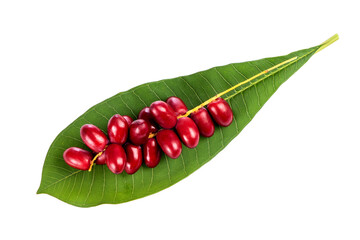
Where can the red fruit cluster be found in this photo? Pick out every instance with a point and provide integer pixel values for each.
(159, 128)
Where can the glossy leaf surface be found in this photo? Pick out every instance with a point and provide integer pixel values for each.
(85, 189)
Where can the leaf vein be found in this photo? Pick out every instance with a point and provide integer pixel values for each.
(60, 180)
(192, 89)
(91, 185)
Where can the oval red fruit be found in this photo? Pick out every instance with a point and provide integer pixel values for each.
(78, 158)
(177, 105)
(139, 131)
(128, 119)
(93, 137)
(152, 153)
(133, 158)
(146, 115)
(115, 158)
(163, 114)
(117, 129)
(153, 128)
(221, 112)
(204, 122)
(101, 160)
(169, 142)
(188, 132)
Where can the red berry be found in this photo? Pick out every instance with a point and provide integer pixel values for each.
(153, 128)
(78, 158)
(146, 115)
(139, 131)
(169, 143)
(177, 105)
(152, 153)
(204, 122)
(115, 158)
(221, 112)
(93, 137)
(101, 160)
(163, 114)
(128, 119)
(117, 129)
(134, 158)
(188, 132)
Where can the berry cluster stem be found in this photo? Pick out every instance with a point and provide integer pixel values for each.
(152, 135)
(96, 157)
(322, 46)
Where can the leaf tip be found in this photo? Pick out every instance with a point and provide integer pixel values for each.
(39, 191)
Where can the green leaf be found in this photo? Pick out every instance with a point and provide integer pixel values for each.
(86, 189)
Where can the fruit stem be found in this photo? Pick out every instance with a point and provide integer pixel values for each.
(236, 86)
(96, 157)
(322, 46)
(152, 135)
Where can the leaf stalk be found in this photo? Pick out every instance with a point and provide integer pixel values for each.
(328, 42)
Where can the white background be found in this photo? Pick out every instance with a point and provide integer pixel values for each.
(293, 173)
